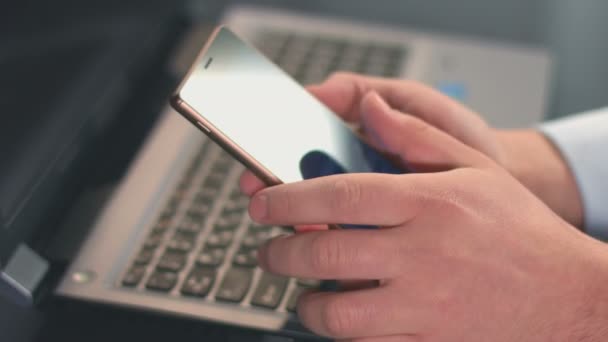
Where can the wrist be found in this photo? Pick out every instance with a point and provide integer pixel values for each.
(590, 320)
(537, 164)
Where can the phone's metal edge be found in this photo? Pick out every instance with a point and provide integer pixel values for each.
(213, 132)
(226, 143)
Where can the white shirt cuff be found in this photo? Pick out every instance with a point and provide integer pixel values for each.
(583, 142)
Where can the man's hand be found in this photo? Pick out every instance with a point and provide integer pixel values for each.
(466, 254)
(525, 153)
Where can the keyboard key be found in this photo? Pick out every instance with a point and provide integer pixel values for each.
(235, 284)
(256, 238)
(186, 182)
(161, 226)
(134, 276)
(353, 52)
(181, 194)
(301, 45)
(191, 225)
(348, 65)
(189, 175)
(271, 52)
(229, 219)
(224, 225)
(270, 290)
(378, 57)
(153, 241)
(166, 215)
(237, 193)
(144, 256)
(291, 67)
(198, 211)
(238, 205)
(215, 180)
(171, 262)
(199, 282)
(397, 55)
(220, 239)
(172, 205)
(211, 257)
(393, 69)
(161, 281)
(200, 156)
(375, 70)
(222, 165)
(207, 195)
(181, 243)
(274, 38)
(246, 258)
(293, 298)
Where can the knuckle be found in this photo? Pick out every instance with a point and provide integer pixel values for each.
(446, 199)
(458, 200)
(345, 196)
(287, 203)
(390, 255)
(326, 253)
(280, 205)
(338, 317)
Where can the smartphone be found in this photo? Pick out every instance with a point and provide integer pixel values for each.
(265, 119)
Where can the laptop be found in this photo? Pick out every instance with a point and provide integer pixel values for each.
(174, 236)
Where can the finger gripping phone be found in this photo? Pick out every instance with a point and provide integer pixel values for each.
(265, 119)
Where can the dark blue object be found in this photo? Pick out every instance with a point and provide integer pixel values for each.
(319, 164)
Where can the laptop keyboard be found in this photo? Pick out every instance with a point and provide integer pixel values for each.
(311, 58)
(203, 244)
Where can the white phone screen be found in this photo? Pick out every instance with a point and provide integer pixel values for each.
(273, 118)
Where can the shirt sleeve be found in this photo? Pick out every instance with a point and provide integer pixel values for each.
(583, 142)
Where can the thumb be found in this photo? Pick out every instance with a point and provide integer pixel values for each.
(417, 143)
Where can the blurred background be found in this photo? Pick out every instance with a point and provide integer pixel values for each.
(44, 49)
(571, 31)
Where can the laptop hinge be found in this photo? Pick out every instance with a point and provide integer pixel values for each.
(21, 275)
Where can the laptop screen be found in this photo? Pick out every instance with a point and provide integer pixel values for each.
(31, 135)
(40, 131)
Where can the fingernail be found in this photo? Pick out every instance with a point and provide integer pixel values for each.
(259, 207)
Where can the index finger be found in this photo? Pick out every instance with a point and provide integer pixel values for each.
(360, 199)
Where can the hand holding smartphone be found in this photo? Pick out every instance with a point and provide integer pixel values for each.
(265, 119)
